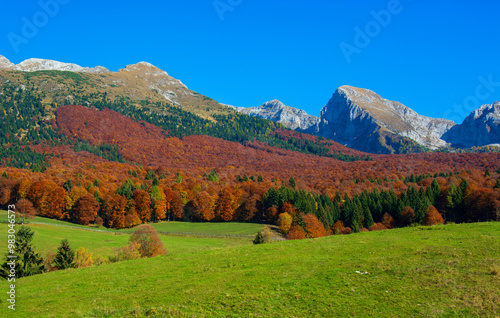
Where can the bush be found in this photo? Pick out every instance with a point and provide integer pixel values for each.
(148, 240)
(126, 253)
(346, 230)
(377, 227)
(99, 260)
(264, 236)
(83, 258)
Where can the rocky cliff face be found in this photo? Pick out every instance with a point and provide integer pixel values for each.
(480, 128)
(290, 117)
(356, 116)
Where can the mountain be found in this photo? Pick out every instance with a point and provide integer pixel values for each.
(141, 84)
(290, 117)
(34, 64)
(480, 128)
(359, 117)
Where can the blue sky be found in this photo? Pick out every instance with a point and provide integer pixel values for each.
(441, 59)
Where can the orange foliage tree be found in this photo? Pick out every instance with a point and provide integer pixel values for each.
(432, 217)
(142, 205)
(296, 233)
(314, 228)
(203, 207)
(337, 227)
(225, 208)
(25, 208)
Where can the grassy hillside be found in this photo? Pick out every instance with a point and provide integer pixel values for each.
(431, 272)
(103, 241)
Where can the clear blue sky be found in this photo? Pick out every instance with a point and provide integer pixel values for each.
(429, 56)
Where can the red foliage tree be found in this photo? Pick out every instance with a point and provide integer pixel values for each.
(85, 209)
(337, 227)
(296, 233)
(203, 207)
(388, 221)
(407, 216)
(25, 208)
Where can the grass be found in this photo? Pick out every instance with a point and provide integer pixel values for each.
(448, 271)
(48, 237)
(231, 228)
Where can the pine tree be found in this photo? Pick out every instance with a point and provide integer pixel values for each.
(4, 175)
(68, 185)
(292, 183)
(487, 173)
(65, 256)
(150, 175)
(155, 181)
(260, 178)
(28, 262)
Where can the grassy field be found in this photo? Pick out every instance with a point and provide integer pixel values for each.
(180, 227)
(103, 242)
(444, 271)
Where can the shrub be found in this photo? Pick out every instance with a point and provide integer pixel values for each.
(148, 240)
(83, 258)
(346, 230)
(364, 230)
(377, 227)
(126, 253)
(99, 260)
(432, 217)
(264, 236)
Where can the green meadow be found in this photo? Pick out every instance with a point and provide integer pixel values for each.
(440, 271)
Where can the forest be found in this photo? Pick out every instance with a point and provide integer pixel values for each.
(118, 166)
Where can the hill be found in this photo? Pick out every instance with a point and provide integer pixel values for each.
(434, 272)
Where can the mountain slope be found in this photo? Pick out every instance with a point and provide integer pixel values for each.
(359, 117)
(480, 128)
(290, 117)
(140, 84)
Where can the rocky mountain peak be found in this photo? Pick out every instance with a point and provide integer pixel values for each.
(290, 117)
(354, 113)
(480, 128)
(5, 64)
(36, 64)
